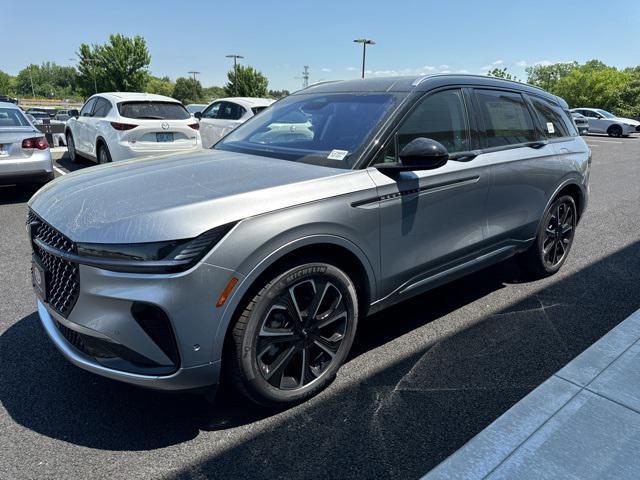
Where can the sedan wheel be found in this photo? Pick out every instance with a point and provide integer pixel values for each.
(294, 335)
(615, 131)
(103, 155)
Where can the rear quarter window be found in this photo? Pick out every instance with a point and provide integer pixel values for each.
(552, 118)
(153, 110)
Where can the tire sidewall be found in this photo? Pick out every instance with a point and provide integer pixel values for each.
(253, 378)
(543, 226)
(104, 150)
(71, 147)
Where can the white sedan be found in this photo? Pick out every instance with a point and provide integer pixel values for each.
(601, 121)
(225, 114)
(121, 125)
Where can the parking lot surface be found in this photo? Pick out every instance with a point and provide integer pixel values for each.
(424, 377)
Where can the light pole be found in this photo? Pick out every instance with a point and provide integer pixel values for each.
(33, 91)
(195, 90)
(235, 57)
(364, 42)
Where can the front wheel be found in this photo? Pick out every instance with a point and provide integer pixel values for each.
(555, 237)
(615, 131)
(293, 335)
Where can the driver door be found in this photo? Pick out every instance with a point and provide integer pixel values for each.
(429, 219)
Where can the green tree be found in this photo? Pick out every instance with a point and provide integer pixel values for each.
(120, 65)
(246, 82)
(502, 73)
(47, 80)
(593, 84)
(278, 94)
(547, 76)
(7, 84)
(630, 95)
(160, 86)
(209, 94)
(187, 90)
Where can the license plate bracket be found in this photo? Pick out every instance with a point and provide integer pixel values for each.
(164, 137)
(39, 279)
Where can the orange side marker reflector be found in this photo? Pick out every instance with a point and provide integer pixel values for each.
(227, 291)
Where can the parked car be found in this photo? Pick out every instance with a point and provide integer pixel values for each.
(194, 108)
(601, 121)
(64, 115)
(58, 138)
(120, 125)
(225, 114)
(582, 123)
(24, 152)
(260, 259)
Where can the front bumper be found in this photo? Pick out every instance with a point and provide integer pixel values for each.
(103, 313)
(629, 129)
(183, 379)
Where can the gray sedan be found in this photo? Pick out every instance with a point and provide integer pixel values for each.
(24, 151)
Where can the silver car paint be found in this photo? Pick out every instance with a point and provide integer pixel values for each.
(472, 213)
(18, 163)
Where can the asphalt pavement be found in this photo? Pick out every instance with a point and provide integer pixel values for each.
(424, 377)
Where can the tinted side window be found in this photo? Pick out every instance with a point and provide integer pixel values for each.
(86, 110)
(506, 118)
(589, 113)
(551, 118)
(102, 107)
(211, 111)
(230, 111)
(441, 117)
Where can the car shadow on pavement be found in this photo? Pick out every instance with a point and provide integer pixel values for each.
(12, 194)
(398, 416)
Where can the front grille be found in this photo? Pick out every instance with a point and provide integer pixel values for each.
(62, 276)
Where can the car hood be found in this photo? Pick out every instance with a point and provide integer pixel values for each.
(177, 196)
(629, 121)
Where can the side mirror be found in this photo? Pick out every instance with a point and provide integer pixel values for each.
(419, 154)
(198, 115)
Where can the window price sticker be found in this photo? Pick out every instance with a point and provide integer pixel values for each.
(550, 128)
(337, 154)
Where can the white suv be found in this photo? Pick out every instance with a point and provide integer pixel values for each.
(225, 114)
(121, 125)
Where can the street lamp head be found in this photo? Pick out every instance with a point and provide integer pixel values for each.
(234, 56)
(366, 41)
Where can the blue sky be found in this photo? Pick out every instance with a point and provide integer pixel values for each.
(279, 37)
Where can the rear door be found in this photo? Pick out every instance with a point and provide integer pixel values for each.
(230, 115)
(91, 124)
(431, 218)
(523, 164)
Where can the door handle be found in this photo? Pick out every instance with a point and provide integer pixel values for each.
(538, 144)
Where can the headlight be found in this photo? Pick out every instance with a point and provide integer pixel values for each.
(153, 257)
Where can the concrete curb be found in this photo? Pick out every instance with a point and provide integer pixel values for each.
(580, 423)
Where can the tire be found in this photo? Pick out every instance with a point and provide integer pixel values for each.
(553, 241)
(615, 131)
(104, 156)
(71, 148)
(277, 354)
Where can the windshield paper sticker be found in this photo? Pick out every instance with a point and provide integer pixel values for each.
(550, 128)
(337, 154)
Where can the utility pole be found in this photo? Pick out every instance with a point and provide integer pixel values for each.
(235, 57)
(305, 77)
(364, 42)
(33, 92)
(195, 89)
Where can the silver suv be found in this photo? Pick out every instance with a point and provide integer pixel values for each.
(257, 259)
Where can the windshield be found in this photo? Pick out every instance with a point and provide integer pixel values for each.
(605, 113)
(11, 117)
(322, 129)
(153, 110)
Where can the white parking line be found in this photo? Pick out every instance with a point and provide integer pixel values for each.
(59, 170)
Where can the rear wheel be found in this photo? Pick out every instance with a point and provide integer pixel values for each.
(615, 131)
(553, 242)
(71, 148)
(103, 154)
(293, 335)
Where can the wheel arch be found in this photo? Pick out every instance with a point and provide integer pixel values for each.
(336, 250)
